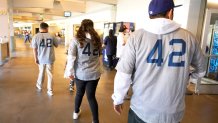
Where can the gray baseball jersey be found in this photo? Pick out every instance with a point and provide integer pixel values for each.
(44, 43)
(84, 62)
(159, 65)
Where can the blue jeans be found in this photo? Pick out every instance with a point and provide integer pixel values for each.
(133, 118)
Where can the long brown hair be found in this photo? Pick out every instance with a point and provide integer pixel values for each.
(87, 26)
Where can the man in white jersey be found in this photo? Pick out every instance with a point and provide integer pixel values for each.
(157, 60)
(43, 45)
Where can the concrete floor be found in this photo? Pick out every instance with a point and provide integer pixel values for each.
(21, 103)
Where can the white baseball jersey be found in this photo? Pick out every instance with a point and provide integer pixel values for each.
(157, 60)
(44, 43)
(84, 62)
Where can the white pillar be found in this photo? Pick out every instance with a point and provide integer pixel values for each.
(4, 31)
(191, 15)
(113, 13)
(11, 27)
(4, 17)
(194, 16)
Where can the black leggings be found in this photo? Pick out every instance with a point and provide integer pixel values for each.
(110, 61)
(90, 88)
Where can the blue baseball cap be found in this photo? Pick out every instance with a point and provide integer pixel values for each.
(159, 6)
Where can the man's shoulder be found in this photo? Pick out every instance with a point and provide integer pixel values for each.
(74, 41)
(40, 34)
(106, 38)
(183, 30)
(139, 32)
(50, 35)
(186, 32)
(37, 35)
(43, 35)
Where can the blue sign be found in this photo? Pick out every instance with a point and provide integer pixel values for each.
(214, 61)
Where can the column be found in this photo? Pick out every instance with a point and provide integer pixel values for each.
(196, 17)
(11, 27)
(4, 32)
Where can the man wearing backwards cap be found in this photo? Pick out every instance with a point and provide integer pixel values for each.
(157, 61)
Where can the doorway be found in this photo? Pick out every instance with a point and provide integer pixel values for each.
(210, 46)
(36, 30)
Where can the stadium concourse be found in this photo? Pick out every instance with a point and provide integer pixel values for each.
(21, 103)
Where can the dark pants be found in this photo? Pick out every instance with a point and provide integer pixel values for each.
(110, 60)
(72, 82)
(90, 88)
(27, 38)
(133, 118)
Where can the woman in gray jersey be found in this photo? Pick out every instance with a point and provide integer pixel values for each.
(83, 65)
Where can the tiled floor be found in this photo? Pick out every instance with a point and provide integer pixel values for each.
(20, 103)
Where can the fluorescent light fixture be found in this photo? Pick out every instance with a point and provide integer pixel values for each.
(67, 14)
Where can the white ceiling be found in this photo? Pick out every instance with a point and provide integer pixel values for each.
(38, 10)
(212, 4)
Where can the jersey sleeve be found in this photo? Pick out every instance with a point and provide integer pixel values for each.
(55, 41)
(34, 42)
(125, 69)
(122, 83)
(198, 63)
(127, 60)
(71, 57)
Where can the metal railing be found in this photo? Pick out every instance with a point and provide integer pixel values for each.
(197, 85)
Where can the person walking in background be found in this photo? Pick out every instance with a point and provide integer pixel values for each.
(43, 45)
(58, 36)
(131, 31)
(83, 64)
(157, 61)
(26, 37)
(71, 85)
(121, 40)
(110, 42)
